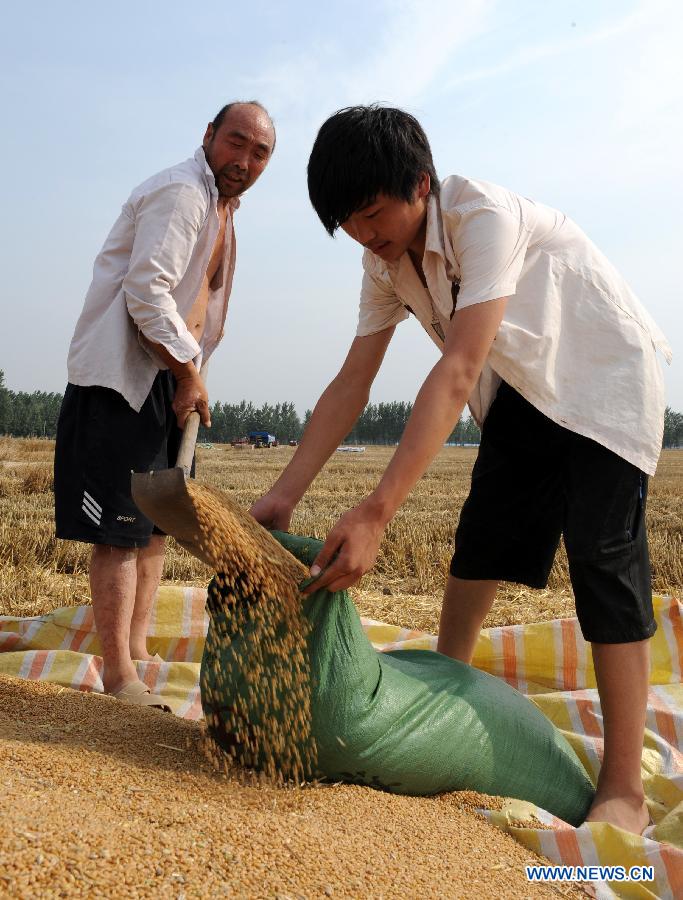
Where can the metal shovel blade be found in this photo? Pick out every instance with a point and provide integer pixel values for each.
(163, 497)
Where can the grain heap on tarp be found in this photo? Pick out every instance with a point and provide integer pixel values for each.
(293, 687)
(254, 595)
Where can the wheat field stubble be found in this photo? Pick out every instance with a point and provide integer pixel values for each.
(39, 573)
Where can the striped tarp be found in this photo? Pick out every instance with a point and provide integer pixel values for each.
(548, 661)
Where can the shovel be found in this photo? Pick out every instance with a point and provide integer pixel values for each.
(163, 496)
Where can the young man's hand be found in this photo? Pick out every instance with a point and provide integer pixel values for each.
(351, 548)
(273, 512)
(190, 394)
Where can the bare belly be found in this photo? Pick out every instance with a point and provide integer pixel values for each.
(196, 318)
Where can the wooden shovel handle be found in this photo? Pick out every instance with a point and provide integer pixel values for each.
(188, 442)
(190, 431)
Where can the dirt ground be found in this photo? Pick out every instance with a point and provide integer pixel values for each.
(106, 800)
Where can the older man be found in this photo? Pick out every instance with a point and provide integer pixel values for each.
(154, 311)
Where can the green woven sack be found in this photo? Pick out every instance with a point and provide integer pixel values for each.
(409, 721)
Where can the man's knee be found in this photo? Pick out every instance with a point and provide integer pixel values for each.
(104, 553)
(464, 590)
(151, 556)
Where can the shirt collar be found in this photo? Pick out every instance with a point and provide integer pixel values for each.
(199, 155)
(434, 236)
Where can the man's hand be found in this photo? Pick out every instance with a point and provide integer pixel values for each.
(350, 550)
(273, 512)
(191, 394)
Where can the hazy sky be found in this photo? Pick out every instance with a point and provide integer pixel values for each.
(573, 103)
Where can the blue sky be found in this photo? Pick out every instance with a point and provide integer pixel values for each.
(576, 104)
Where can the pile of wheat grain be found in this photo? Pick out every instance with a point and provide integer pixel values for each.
(105, 799)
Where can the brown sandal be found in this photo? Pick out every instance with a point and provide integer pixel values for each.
(139, 694)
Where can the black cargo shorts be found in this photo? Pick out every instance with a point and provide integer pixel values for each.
(534, 481)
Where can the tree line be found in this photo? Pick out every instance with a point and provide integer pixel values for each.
(35, 414)
(379, 423)
(673, 428)
(28, 415)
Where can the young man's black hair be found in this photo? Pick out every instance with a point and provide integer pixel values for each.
(363, 151)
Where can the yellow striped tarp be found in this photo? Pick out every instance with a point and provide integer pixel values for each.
(547, 661)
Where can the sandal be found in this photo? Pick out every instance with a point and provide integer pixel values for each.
(139, 694)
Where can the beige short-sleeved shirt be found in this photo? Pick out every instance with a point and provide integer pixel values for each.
(575, 340)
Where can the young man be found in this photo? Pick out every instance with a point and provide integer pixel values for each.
(556, 358)
(154, 311)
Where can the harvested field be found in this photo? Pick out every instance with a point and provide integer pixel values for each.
(104, 800)
(38, 573)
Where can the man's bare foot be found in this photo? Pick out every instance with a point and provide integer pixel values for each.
(629, 813)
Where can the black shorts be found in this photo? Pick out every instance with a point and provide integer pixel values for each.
(101, 441)
(533, 481)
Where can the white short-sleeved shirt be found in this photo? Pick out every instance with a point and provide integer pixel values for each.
(575, 341)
